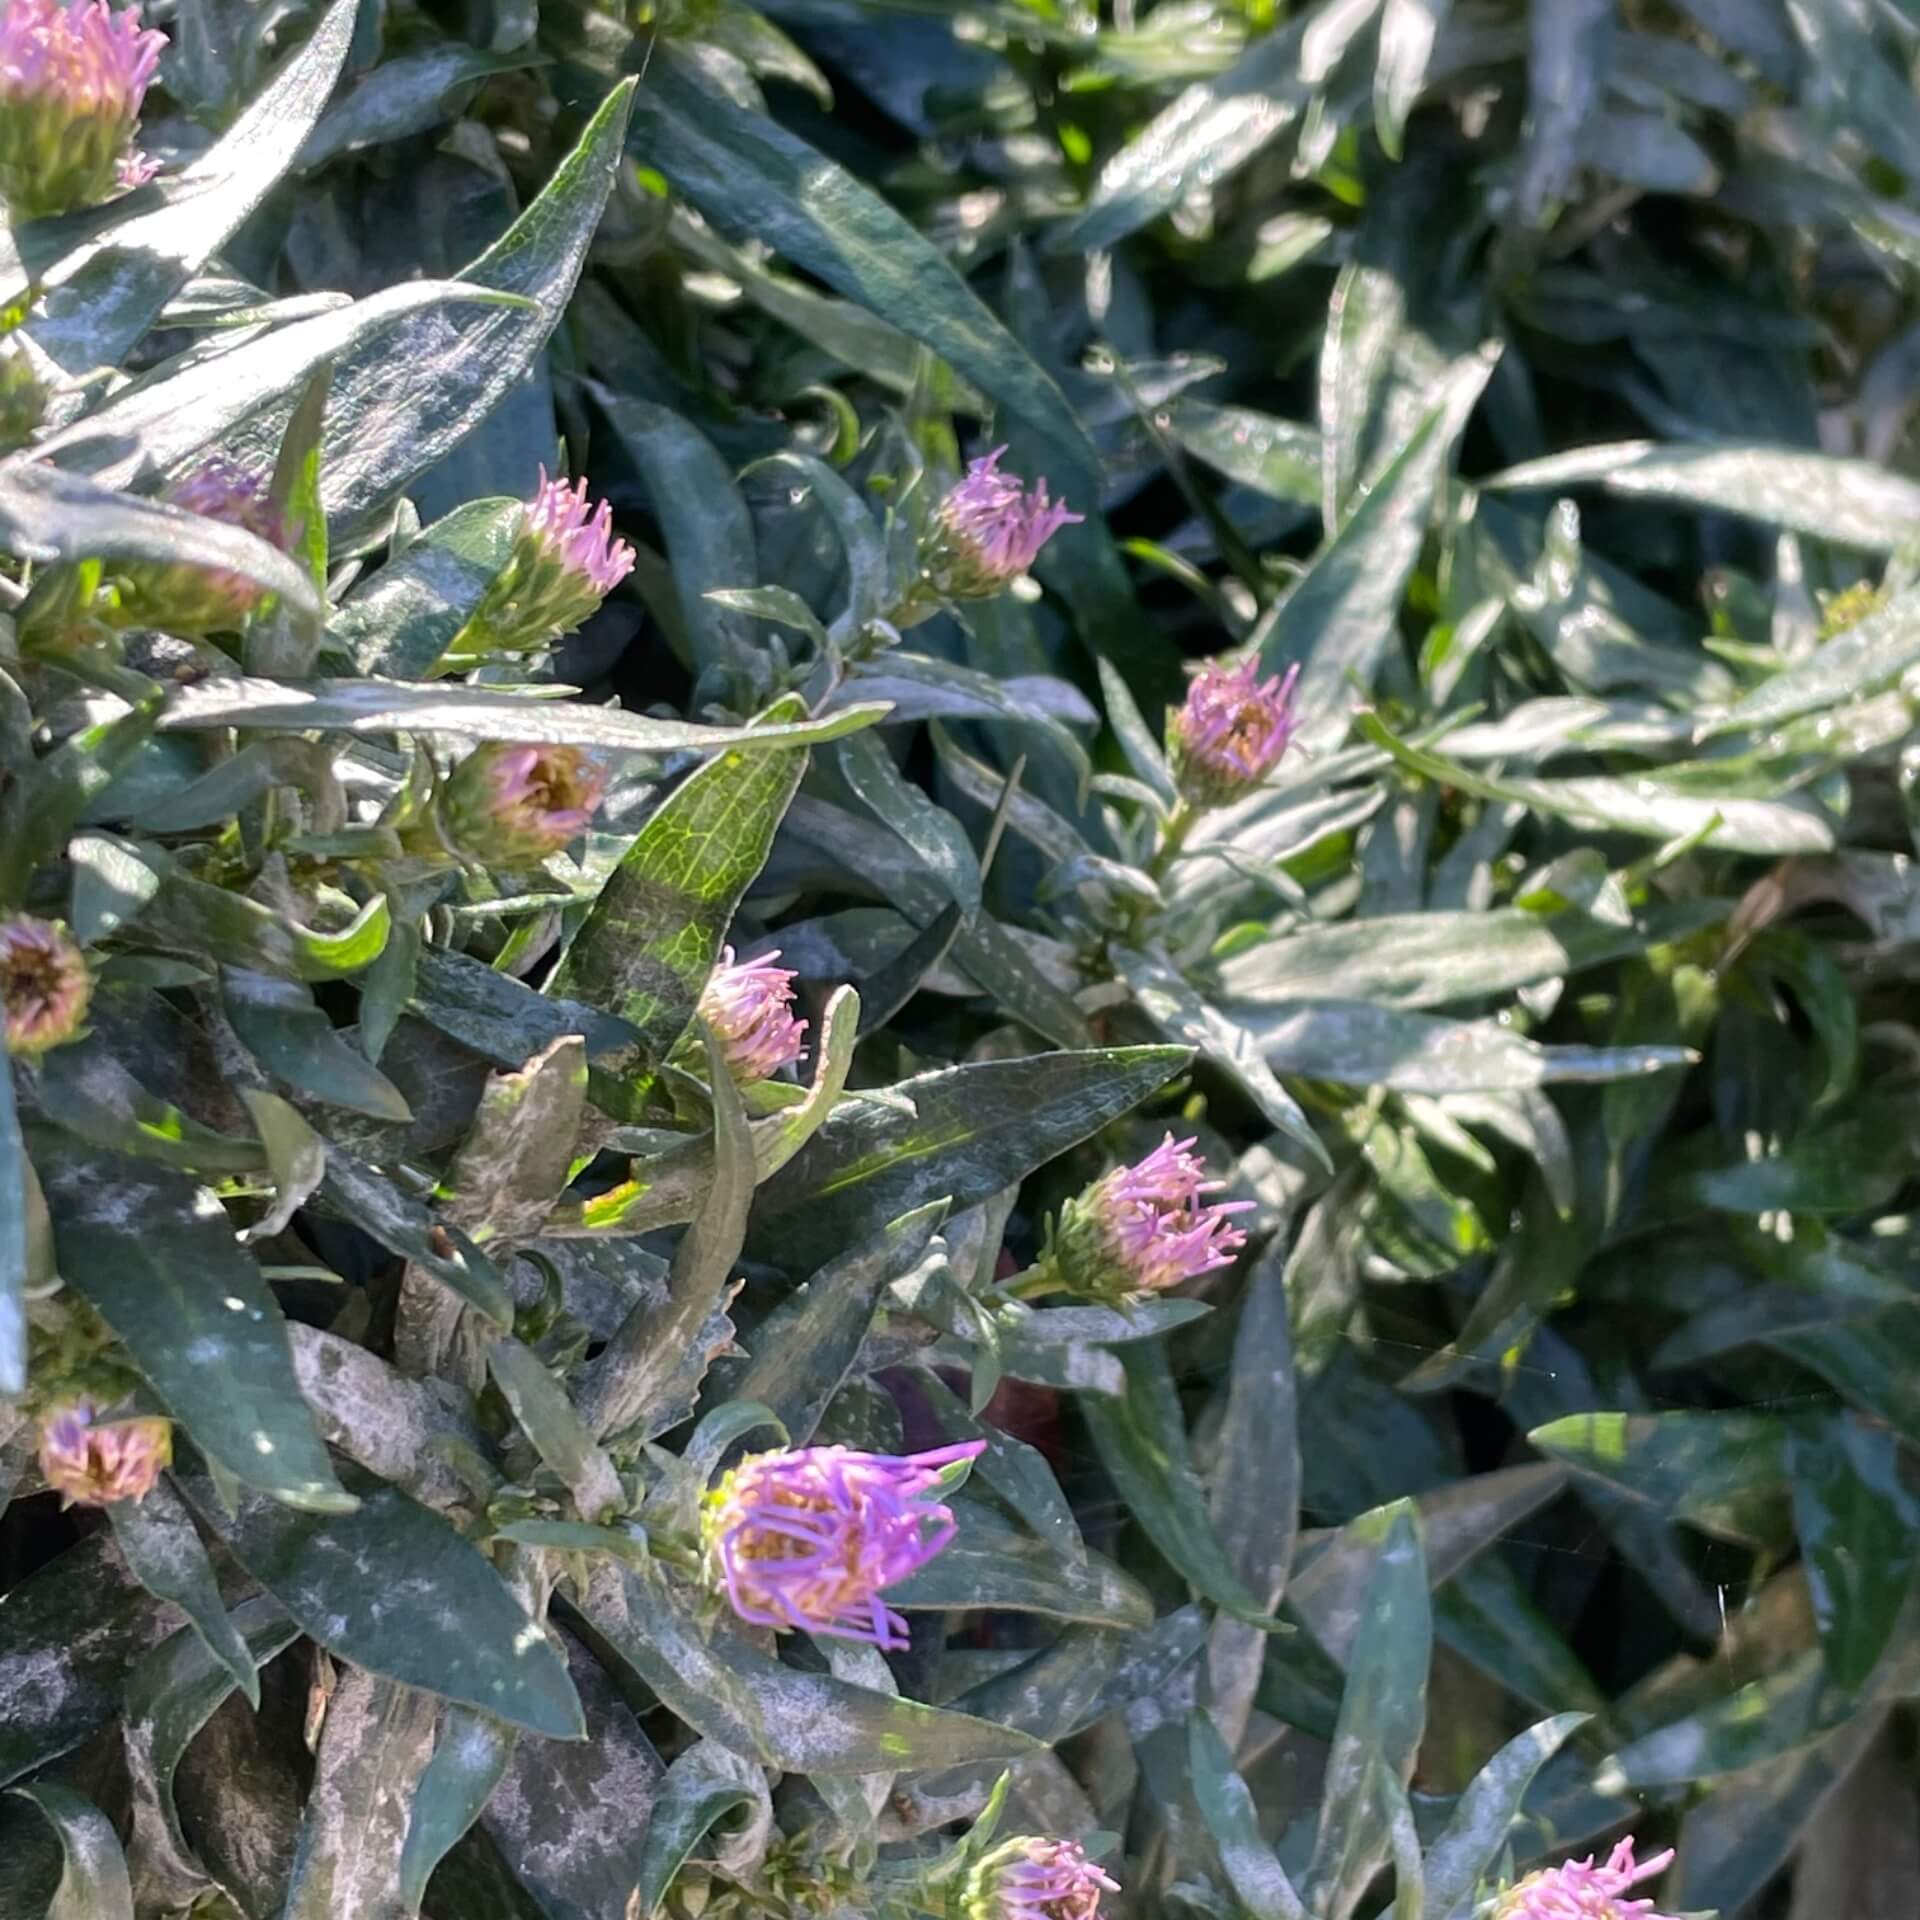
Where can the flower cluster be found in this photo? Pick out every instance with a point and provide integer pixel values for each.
(988, 531)
(1231, 732)
(810, 1537)
(507, 805)
(72, 79)
(564, 562)
(746, 1004)
(1141, 1229)
(93, 1462)
(1033, 1879)
(1582, 1890)
(45, 984)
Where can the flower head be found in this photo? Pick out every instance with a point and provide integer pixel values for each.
(44, 979)
(564, 562)
(746, 1004)
(578, 536)
(1140, 1229)
(94, 1463)
(1580, 1890)
(810, 1537)
(1033, 1879)
(1231, 732)
(507, 804)
(989, 530)
(72, 78)
(182, 598)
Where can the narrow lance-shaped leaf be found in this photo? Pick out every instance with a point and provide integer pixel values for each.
(799, 1722)
(1258, 1880)
(155, 1254)
(394, 1589)
(1478, 1829)
(958, 1133)
(93, 1880)
(157, 1538)
(727, 158)
(1142, 1443)
(644, 1367)
(655, 930)
(1383, 1713)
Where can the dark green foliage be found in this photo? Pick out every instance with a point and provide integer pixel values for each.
(1538, 378)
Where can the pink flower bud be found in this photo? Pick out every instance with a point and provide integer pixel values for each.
(989, 530)
(810, 1537)
(1138, 1230)
(72, 79)
(1033, 1879)
(565, 561)
(514, 805)
(95, 1463)
(186, 599)
(745, 1003)
(44, 978)
(1580, 1890)
(1231, 733)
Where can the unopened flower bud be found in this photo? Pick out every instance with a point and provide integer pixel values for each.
(564, 562)
(746, 1003)
(511, 805)
(1231, 732)
(95, 1462)
(44, 978)
(72, 78)
(988, 531)
(1138, 1230)
(1582, 1890)
(810, 1537)
(1035, 1879)
(185, 599)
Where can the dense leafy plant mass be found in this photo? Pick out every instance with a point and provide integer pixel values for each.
(958, 958)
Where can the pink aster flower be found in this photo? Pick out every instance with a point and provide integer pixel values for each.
(564, 562)
(1231, 732)
(810, 1537)
(581, 537)
(1033, 1879)
(1580, 1890)
(989, 530)
(507, 804)
(72, 79)
(1141, 1229)
(45, 983)
(187, 599)
(94, 1463)
(746, 1004)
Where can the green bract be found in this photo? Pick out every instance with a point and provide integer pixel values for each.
(1092, 1096)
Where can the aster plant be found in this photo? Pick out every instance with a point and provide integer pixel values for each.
(753, 1172)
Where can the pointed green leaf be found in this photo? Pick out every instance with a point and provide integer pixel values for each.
(156, 1255)
(959, 1133)
(394, 1589)
(93, 1881)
